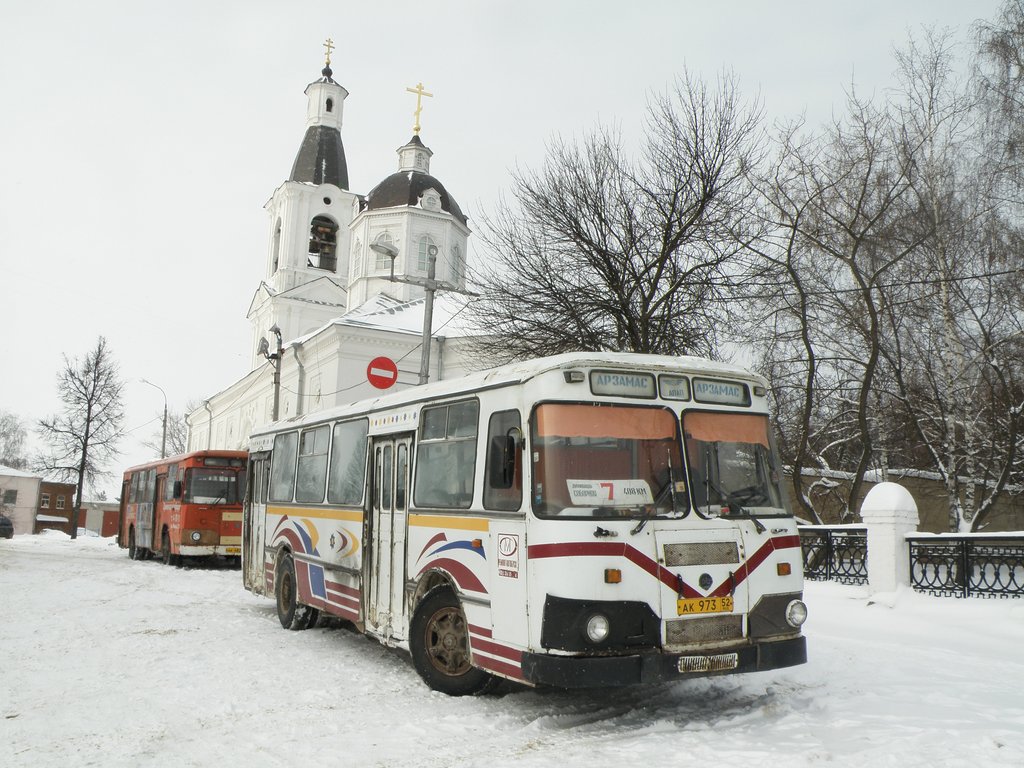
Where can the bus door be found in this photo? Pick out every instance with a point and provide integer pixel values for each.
(158, 513)
(145, 510)
(254, 526)
(385, 608)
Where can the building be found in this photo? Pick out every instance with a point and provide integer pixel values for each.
(19, 497)
(56, 503)
(326, 306)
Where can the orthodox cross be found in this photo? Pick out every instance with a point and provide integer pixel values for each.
(420, 93)
(329, 45)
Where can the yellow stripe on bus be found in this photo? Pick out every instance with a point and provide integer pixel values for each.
(438, 521)
(326, 513)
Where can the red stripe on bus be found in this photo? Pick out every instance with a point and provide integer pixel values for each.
(464, 577)
(350, 591)
(496, 649)
(482, 631)
(509, 670)
(610, 549)
(753, 562)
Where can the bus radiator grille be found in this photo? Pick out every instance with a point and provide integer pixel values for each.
(710, 629)
(701, 553)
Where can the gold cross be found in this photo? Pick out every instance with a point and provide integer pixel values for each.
(420, 93)
(329, 45)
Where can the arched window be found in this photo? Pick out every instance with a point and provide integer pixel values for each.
(357, 259)
(424, 253)
(323, 244)
(458, 266)
(383, 260)
(276, 247)
(330, 105)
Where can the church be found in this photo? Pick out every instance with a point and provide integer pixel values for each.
(348, 283)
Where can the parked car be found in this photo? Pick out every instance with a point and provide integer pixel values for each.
(6, 527)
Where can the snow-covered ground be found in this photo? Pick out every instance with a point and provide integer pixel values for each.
(111, 662)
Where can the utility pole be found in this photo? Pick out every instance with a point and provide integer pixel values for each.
(275, 358)
(163, 440)
(430, 286)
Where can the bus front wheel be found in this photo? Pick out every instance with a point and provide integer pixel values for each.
(165, 551)
(439, 642)
(291, 613)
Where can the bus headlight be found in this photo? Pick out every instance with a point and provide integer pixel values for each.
(196, 535)
(796, 613)
(597, 628)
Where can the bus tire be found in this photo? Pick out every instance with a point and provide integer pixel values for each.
(165, 550)
(292, 614)
(439, 642)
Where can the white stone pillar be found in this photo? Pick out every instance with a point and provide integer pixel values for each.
(890, 513)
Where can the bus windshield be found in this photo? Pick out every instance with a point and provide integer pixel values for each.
(732, 464)
(211, 486)
(606, 461)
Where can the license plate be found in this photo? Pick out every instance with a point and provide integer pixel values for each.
(233, 551)
(692, 605)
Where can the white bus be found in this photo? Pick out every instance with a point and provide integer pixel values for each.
(574, 521)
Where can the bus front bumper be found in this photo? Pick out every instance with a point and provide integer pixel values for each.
(205, 550)
(611, 671)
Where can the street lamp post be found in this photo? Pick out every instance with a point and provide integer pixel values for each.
(275, 358)
(163, 440)
(430, 286)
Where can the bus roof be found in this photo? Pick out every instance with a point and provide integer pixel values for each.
(521, 372)
(185, 456)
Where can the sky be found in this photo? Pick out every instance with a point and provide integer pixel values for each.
(139, 141)
(115, 662)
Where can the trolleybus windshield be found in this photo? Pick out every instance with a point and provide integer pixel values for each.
(732, 464)
(606, 461)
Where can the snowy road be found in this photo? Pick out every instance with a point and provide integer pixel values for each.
(111, 662)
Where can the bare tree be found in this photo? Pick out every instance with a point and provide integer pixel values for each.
(601, 251)
(85, 434)
(12, 441)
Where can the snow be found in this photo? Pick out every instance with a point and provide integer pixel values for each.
(113, 662)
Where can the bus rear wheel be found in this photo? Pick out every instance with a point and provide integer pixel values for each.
(290, 612)
(439, 642)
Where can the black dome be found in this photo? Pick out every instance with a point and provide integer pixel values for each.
(405, 188)
(321, 158)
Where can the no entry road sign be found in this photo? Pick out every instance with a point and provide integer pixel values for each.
(382, 372)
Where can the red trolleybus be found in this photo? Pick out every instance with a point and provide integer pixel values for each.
(184, 506)
(580, 520)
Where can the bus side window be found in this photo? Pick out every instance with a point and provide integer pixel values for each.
(503, 482)
(312, 474)
(446, 456)
(282, 471)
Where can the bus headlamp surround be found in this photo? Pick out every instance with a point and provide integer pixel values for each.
(796, 613)
(598, 628)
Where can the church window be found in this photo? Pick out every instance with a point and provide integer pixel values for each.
(357, 259)
(425, 252)
(430, 201)
(323, 234)
(330, 105)
(458, 271)
(383, 260)
(277, 246)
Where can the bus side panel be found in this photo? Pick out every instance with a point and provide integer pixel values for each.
(327, 550)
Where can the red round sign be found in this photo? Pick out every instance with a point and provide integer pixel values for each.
(382, 372)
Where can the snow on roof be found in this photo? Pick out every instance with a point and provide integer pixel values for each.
(12, 472)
